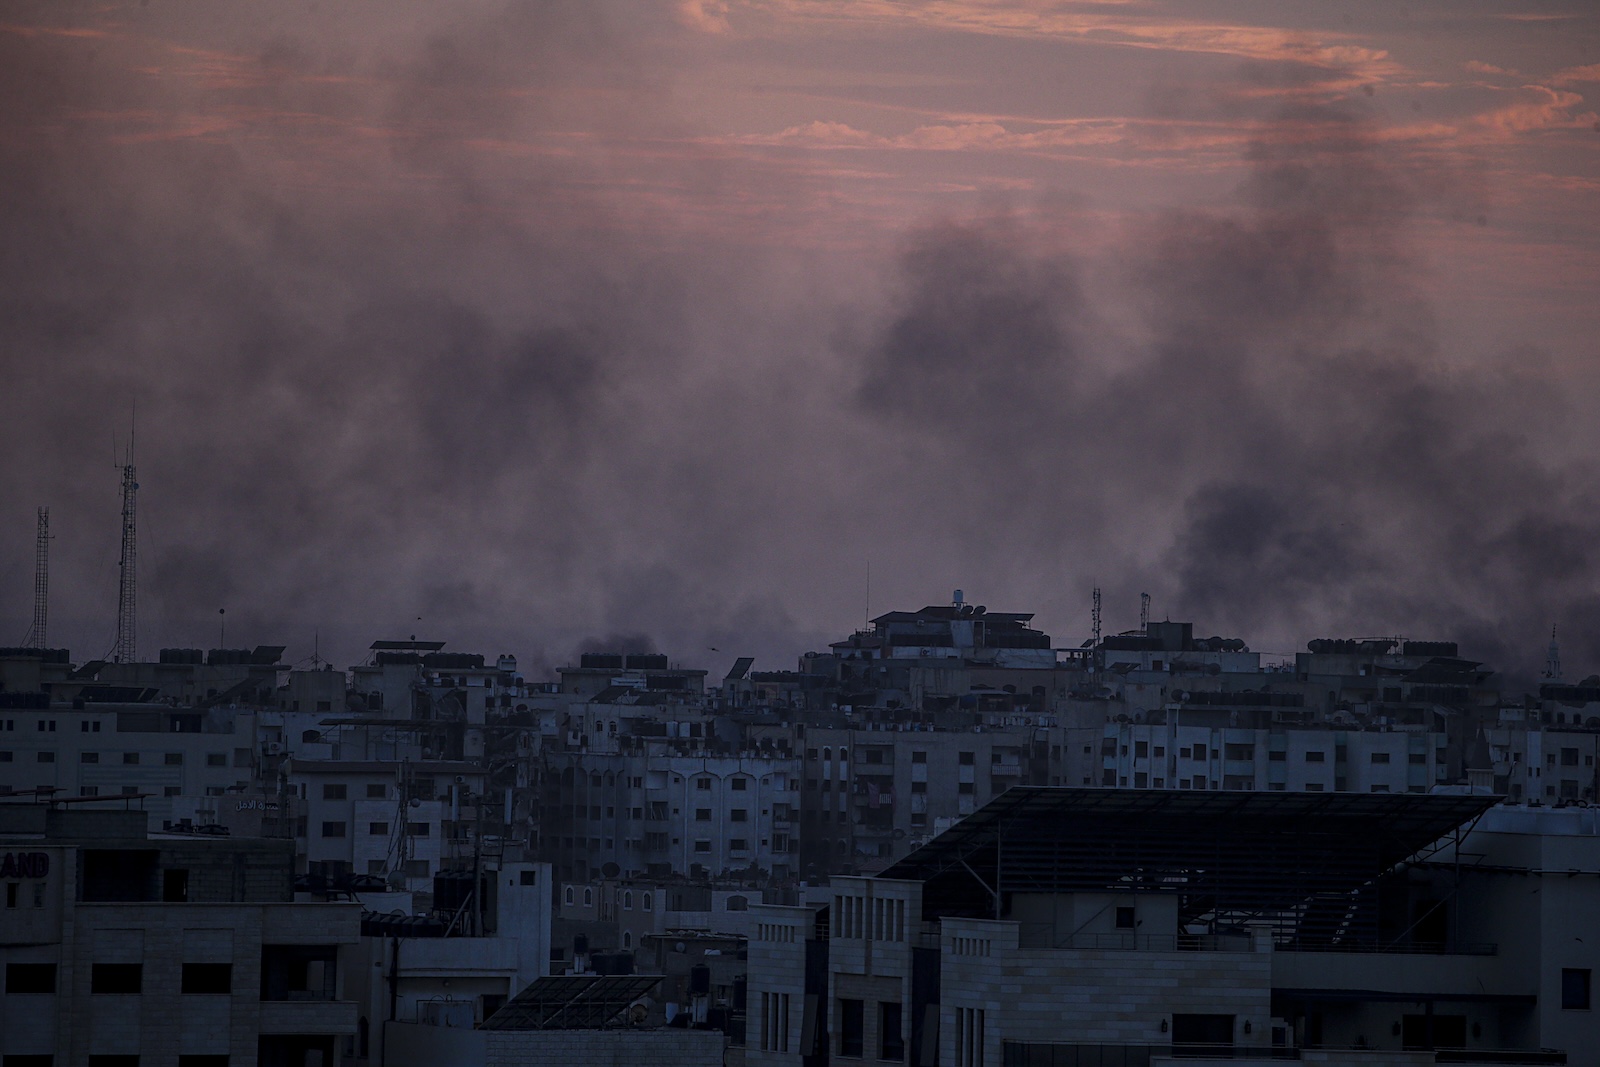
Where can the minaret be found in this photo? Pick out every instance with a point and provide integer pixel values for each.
(1552, 662)
(37, 637)
(127, 649)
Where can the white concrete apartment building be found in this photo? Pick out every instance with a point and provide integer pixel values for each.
(445, 972)
(155, 750)
(869, 796)
(649, 809)
(401, 821)
(121, 947)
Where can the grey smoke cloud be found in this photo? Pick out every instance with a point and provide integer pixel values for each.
(390, 384)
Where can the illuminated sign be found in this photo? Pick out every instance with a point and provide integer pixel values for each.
(258, 805)
(25, 865)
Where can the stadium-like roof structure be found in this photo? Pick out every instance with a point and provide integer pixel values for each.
(1305, 862)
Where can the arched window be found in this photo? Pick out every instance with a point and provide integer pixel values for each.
(738, 904)
(612, 727)
(588, 898)
(627, 939)
(311, 737)
(568, 896)
(627, 900)
(647, 902)
(827, 753)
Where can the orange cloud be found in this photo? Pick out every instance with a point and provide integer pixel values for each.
(1577, 75)
(1021, 18)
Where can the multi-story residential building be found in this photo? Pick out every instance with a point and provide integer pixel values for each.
(403, 822)
(458, 964)
(662, 808)
(122, 946)
(870, 795)
(150, 750)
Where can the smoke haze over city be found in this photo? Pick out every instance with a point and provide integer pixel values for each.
(714, 327)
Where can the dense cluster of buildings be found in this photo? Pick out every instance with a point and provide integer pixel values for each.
(942, 840)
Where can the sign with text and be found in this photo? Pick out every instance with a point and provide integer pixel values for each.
(25, 865)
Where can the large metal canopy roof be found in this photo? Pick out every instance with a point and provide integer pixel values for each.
(571, 1002)
(1229, 856)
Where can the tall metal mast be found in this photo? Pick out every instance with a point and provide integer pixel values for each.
(1144, 613)
(1096, 617)
(37, 637)
(127, 650)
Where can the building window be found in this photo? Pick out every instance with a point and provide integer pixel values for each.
(969, 1037)
(174, 759)
(1380, 757)
(418, 829)
(1125, 918)
(1316, 757)
(30, 978)
(88, 757)
(333, 792)
(702, 783)
(207, 978)
(891, 1041)
(965, 759)
(851, 1028)
(216, 759)
(47, 757)
(116, 978)
(739, 844)
(566, 896)
(648, 901)
(588, 897)
(378, 829)
(1575, 988)
(740, 815)
(702, 814)
(130, 757)
(702, 845)
(627, 900)
(333, 829)
(740, 784)
(377, 791)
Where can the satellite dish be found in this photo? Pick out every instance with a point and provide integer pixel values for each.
(610, 870)
(416, 802)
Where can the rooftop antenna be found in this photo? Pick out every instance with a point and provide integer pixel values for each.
(1096, 616)
(127, 647)
(1144, 613)
(41, 584)
(1552, 663)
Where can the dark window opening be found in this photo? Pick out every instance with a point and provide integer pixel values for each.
(116, 978)
(207, 978)
(1125, 920)
(851, 1028)
(1575, 988)
(175, 885)
(30, 978)
(891, 1042)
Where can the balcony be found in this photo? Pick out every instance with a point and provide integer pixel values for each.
(308, 1017)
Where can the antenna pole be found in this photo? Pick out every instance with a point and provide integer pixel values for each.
(37, 637)
(1144, 613)
(127, 649)
(1096, 616)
